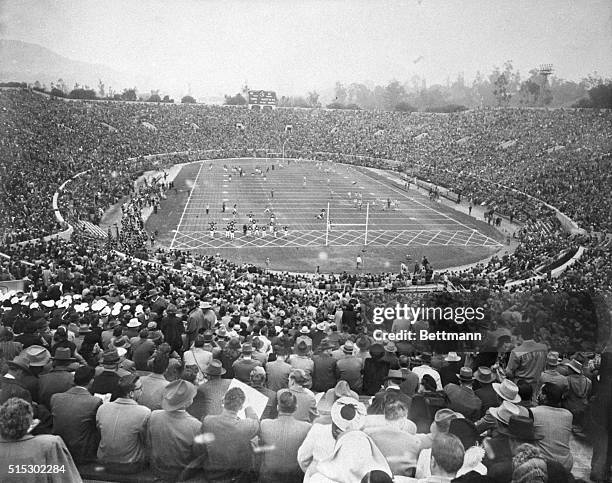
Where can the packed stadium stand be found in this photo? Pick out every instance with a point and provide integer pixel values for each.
(170, 342)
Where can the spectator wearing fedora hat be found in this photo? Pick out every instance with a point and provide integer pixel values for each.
(245, 364)
(391, 390)
(324, 368)
(485, 378)
(210, 394)
(349, 367)
(449, 372)
(579, 392)
(60, 378)
(306, 409)
(173, 329)
(461, 398)
(302, 359)
(508, 392)
(520, 429)
(172, 430)
(108, 374)
(552, 375)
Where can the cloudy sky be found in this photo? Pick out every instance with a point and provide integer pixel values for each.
(293, 46)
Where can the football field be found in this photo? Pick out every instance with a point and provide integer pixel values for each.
(400, 223)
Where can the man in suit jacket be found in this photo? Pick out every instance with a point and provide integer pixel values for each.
(74, 417)
(209, 398)
(59, 379)
(278, 371)
(286, 435)
(486, 393)
(449, 373)
(461, 398)
(231, 455)
(349, 367)
(306, 403)
(324, 373)
(245, 364)
(392, 390)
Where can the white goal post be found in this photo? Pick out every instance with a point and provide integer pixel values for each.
(365, 225)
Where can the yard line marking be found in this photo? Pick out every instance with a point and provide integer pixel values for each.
(470, 237)
(195, 183)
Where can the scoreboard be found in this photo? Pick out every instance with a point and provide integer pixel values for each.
(262, 98)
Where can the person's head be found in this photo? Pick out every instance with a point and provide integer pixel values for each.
(404, 361)
(84, 375)
(117, 331)
(395, 410)
(550, 395)
(526, 330)
(428, 383)
(287, 403)
(234, 399)
(525, 390)
(15, 418)
(190, 374)
(376, 476)
(129, 387)
(199, 341)
(160, 363)
(258, 376)
(442, 421)
(297, 377)
(504, 343)
(447, 454)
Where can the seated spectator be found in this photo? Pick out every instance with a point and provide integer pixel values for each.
(258, 381)
(208, 400)
(123, 428)
(324, 370)
(198, 356)
(552, 375)
(74, 416)
(461, 398)
(306, 403)
(229, 455)
(58, 379)
(244, 365)
(354, 453)
(19, 447)
(554, 424)
(579, 392)
(278, 371)
(425, 369)
(426, 403)
(172, 431)
(485, 378)
(154, 384)
(283, 437)
(375, 370)
(397, 439)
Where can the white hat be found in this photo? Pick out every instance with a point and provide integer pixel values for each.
(116, 311)
(138, 310)
(348, 414)
(105, 312)
(14, 300)
(126, 307)
(48, 303)
(133, 323)
(121, 351)
(99, 305)
(34, 305)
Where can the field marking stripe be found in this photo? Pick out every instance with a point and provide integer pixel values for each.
(195, 183)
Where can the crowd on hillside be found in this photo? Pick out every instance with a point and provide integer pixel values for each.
(220, 374)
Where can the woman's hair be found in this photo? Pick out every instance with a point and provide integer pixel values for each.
(15, 418)
(428, 382)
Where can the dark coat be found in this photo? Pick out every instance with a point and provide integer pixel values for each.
(324, 373)
(374, 373)
(74, 419)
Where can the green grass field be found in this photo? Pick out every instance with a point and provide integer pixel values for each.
(413, 226)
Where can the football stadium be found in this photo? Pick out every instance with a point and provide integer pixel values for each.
(323, 278)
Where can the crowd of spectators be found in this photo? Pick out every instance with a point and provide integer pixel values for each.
(155, 344)
(112, 367)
